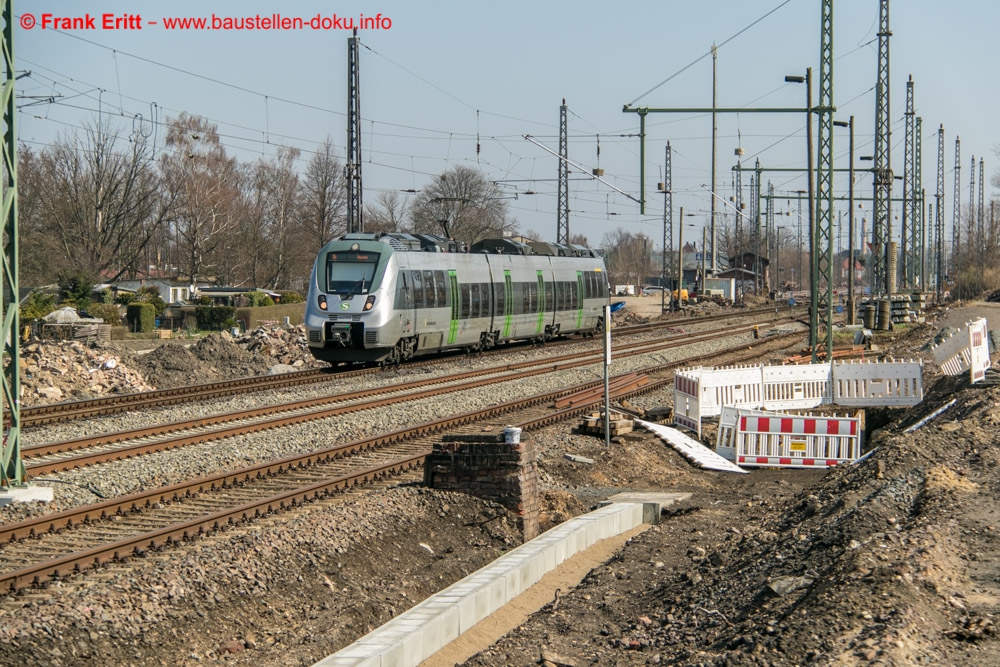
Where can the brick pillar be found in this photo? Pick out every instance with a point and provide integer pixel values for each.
(487, 467)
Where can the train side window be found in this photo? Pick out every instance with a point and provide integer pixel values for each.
(403, 297)
(474, 301)
(484, 289)
(429, 290)
(418, 289)
(466, 299)
(440, 296)
(532, 298)
(574, 291)
(591, 283)
(550, 303)
(498, 299)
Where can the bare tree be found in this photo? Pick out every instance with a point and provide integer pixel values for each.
(41, 254)
(387, 214)
(97, 198)
(282, 201)
(627, 256)
(324, 198)
(204, 181)
(462, 204)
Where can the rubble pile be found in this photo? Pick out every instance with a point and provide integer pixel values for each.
(55, 371)
(285, 345)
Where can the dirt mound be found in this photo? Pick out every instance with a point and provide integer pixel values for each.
(52, 372)
(889, 561)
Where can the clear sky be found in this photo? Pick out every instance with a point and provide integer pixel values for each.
(438, 78)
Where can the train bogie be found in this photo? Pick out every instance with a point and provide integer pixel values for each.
(389, 297)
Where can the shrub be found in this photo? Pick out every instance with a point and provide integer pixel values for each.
(257, 299)
(125, 298)
(75, 288)
(140, 316)
(215, 318)
(151, 295)
(107, 312)
(291, 296)
(38, 304)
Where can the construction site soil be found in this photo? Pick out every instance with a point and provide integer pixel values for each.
(891, 561)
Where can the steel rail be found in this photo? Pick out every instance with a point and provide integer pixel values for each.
(40, 573)
(56, 412)
(564, 362)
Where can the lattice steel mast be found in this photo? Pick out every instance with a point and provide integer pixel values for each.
(971, 244)
(980, 219)
(939, 219)
(882, 230)
(715, 152)
(562, 196)
(668, 223)
(12, 472)
(956, 217)
(355, 205)
(918, 227)
(908, 193)
(824, 181)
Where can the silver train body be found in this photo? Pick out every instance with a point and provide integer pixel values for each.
(388, 297)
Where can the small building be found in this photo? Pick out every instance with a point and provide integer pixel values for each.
(171, 291)
(230, 296)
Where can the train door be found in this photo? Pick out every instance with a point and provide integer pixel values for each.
(508, 304)
(455, 297)
(540, 326)
(404, 303)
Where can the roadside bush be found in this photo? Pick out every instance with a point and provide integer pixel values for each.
(291, 296)
(107, 312)
(215, 318)
(37, 305)
(258, 299)
(140, 317)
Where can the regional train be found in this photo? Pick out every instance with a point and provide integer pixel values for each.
(385, 298)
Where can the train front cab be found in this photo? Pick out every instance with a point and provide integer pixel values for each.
(350, 304)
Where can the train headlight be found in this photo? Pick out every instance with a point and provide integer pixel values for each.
(369, 302)
(322, 302)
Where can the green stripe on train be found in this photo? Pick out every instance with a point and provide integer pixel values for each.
(453, 328)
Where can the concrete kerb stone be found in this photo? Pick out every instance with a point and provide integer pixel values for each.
(420, 632)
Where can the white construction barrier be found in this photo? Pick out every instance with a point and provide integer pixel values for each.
(795, 387)
(979, 350)
(704, 392)
(756, 438)
(968, 350)
(687, 399)
(883, 383)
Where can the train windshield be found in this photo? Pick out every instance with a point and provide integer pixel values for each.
(350, 272)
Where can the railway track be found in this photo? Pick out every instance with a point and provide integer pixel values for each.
(107, 405)
(91, 450)
(36, 551)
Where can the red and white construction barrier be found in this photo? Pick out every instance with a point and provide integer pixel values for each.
(756, 438)
(704, 392)
(968, 350)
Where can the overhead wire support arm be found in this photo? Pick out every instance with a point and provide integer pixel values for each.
(580, 167)
(642, 111)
